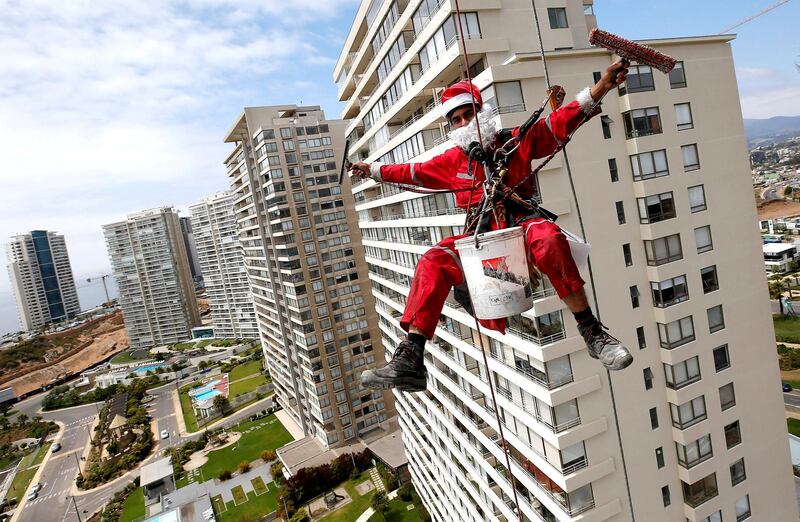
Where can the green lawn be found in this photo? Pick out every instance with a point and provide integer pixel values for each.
(188, 414)
(42, 452)
(247, 385)
(794, 426)
(20, 484)
(243, 370)
(787, 329)
(255, 507)
(398, 512)
(218, 504)
(238, 495)
(249, 448)
(133, 508)
(258, 485)
(354, 509)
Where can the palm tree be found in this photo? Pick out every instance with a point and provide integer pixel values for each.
(776, 289)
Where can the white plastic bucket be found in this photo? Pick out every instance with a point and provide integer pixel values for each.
(497, 273)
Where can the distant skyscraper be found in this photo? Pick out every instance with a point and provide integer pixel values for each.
(151, 268)
(191, 249)
(306, 268)
(219, 254)
(41, 275)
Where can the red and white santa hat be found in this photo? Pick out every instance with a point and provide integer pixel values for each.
(460, 94)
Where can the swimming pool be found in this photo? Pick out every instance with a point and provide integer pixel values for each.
(207, 394)
(141, 370)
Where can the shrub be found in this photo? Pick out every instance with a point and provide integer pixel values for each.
(244, 466)
(225, 475)
(300, 516)
(267, 455)
(405, 491)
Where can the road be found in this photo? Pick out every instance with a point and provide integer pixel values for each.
(54, 501)
(792, 400)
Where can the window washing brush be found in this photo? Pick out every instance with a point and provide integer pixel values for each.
(632, 51)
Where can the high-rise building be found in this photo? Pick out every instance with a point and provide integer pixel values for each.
(219, 254)
(694, 429)
(156, 293)
(191, 249)
(305, 263)
(41, 275)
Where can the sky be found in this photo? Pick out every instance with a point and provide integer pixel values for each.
(107, 108)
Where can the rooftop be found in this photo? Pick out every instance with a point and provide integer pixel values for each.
(155, 471)
(777, 248)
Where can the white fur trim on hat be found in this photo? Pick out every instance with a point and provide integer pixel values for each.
(456, 101)
(585, 100)
(375, 170)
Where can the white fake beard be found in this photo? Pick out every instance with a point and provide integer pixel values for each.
(468, 134)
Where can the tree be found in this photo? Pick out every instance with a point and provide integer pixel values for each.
(222, 404)
(776, 289)
(244, 466)
(22, 419)
(203, 365)
(380, 503)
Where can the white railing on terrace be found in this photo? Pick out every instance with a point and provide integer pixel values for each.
(543, 382)
(537, 339)
(428, 213)
(506, 109)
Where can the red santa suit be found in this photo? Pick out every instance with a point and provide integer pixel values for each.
(439, 269)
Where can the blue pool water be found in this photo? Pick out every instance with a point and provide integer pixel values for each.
(207, 394)
(141, 370)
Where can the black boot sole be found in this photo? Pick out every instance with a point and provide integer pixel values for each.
(406, 384)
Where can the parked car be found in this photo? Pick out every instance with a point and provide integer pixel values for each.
(32, 495)
(787, 387)
(37, 487)
(164, 434)
(56, 447)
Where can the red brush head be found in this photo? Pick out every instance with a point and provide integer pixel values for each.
(632, 51)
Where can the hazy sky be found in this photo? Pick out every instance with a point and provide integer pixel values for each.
(111, 107)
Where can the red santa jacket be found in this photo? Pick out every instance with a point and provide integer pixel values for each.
(449, 169)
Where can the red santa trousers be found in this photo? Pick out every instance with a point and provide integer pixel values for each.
(439, 270)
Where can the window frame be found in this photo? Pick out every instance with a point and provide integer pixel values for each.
(699, 208)
(692, 166)
(735, 480)
(657, 291)
(730, 428)
(636, 165)
(650, 247)
(552, 15)
(650, 126)
(705, 248)
(640, 337)
(682, 452)
(613, 169)
(730, 404)
(707, 289)
(684, 126)
(727, 363)
(670, 345)
(625, 88)
(644, 205)
(620, 208)
(721, 324)
(670, 373)
(679, 66)
(695, 419)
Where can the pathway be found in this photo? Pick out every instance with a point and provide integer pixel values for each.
(369, 512)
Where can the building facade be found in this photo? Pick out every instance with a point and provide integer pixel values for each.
(305, 263)
(156, 292)
(41, 276)
(219, 255)
(694, 429)
(191, 249)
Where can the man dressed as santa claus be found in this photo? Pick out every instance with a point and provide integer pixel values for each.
(439, 269)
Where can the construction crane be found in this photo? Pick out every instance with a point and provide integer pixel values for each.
(753, 17)
(103, 278)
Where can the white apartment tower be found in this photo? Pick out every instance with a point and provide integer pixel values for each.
(156, 293)
(305, 264)
(694, 430)
(219, 255)
(41, 275)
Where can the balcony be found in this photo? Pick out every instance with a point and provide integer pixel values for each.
(701, 491)
(536, 331)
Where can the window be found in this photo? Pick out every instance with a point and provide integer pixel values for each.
(713, 517)
(721, 358)
(716, 320)
(695, 452)
(286, 132)
(626, 254)
(620, 212)
(558, 17)
(634, 296)
(676, 333)
(612, 168)
(665, 496)
(669, 292)
(743, 508)
(708, 276)
(701, 491)
(683, 116)
(639, 79)
(596, 75)
(702, 238)
(691, 160)
(677, 76)
(649, 165)
(640, 337)
(660, 457)
(727, 397)
(642, 122)
(733, 437)
(738, 473)
(648, 378)
(588, 10)
(605, 123)
(288, 145)
(688, 413)
(663, 250)
(682, 374)
(506, 95)
(697, 199)
(653, 209)
(653, 418)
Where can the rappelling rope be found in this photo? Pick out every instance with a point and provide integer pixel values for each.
(504, 446)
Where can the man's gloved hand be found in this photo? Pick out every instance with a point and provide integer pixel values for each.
(361, 170)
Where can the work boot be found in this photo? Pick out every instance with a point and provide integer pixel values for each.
(406, 370)
(603, 346)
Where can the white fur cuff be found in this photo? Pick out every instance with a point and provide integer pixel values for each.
(375, 170)
(584, 98)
